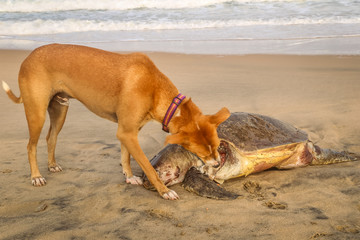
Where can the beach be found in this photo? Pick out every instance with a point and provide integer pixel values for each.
(89, 199)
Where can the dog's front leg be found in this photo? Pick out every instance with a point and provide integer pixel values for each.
(125, 162)
(131, 143)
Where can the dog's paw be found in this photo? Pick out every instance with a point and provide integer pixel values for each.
(171, 195)
(38, 181)
(55, 168)
(134, 180)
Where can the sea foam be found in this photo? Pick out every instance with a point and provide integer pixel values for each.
(66, 5)
(75, 25)
(113, 21)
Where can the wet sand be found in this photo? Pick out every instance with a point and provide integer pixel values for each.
(90, 199)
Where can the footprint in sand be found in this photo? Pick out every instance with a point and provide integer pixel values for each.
(275, 205)
(256, 192)
(348, 229)
(254, 189)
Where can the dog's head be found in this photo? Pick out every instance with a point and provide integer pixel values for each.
(197, 132)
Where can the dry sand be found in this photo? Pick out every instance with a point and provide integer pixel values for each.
(90, 200)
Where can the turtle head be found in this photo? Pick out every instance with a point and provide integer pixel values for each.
(229, 159)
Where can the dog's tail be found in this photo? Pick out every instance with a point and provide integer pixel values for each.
(11, 95)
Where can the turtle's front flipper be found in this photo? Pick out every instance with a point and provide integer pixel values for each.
(200, 184)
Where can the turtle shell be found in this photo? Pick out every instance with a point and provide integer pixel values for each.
(249, 132)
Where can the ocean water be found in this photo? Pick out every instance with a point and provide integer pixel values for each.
(186, 26)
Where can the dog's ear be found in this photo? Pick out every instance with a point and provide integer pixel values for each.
(178, 138)
(220, 116)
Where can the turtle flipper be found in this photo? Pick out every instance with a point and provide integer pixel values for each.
(200, 184)
(329, 156)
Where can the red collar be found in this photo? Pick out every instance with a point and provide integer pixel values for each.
(171, 111)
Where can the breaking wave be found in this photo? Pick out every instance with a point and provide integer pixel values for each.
(74, 25)
(69, 5)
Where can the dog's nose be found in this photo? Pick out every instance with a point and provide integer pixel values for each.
(213, 163)
(216, 166)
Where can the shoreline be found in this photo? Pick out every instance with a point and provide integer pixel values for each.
(302, 46)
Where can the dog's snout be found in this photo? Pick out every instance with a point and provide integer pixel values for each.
(213, 163)
(216, 166)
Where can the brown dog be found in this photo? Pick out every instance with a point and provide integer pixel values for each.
(126, 89)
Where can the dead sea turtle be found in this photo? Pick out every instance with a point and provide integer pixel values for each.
(250, 143)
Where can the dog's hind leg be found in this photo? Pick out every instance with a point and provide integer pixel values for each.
(35, 110)
(125, 162)
(57, 112)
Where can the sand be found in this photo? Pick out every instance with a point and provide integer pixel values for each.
(90, 199)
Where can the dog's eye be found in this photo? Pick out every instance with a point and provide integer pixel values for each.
(205, 157)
